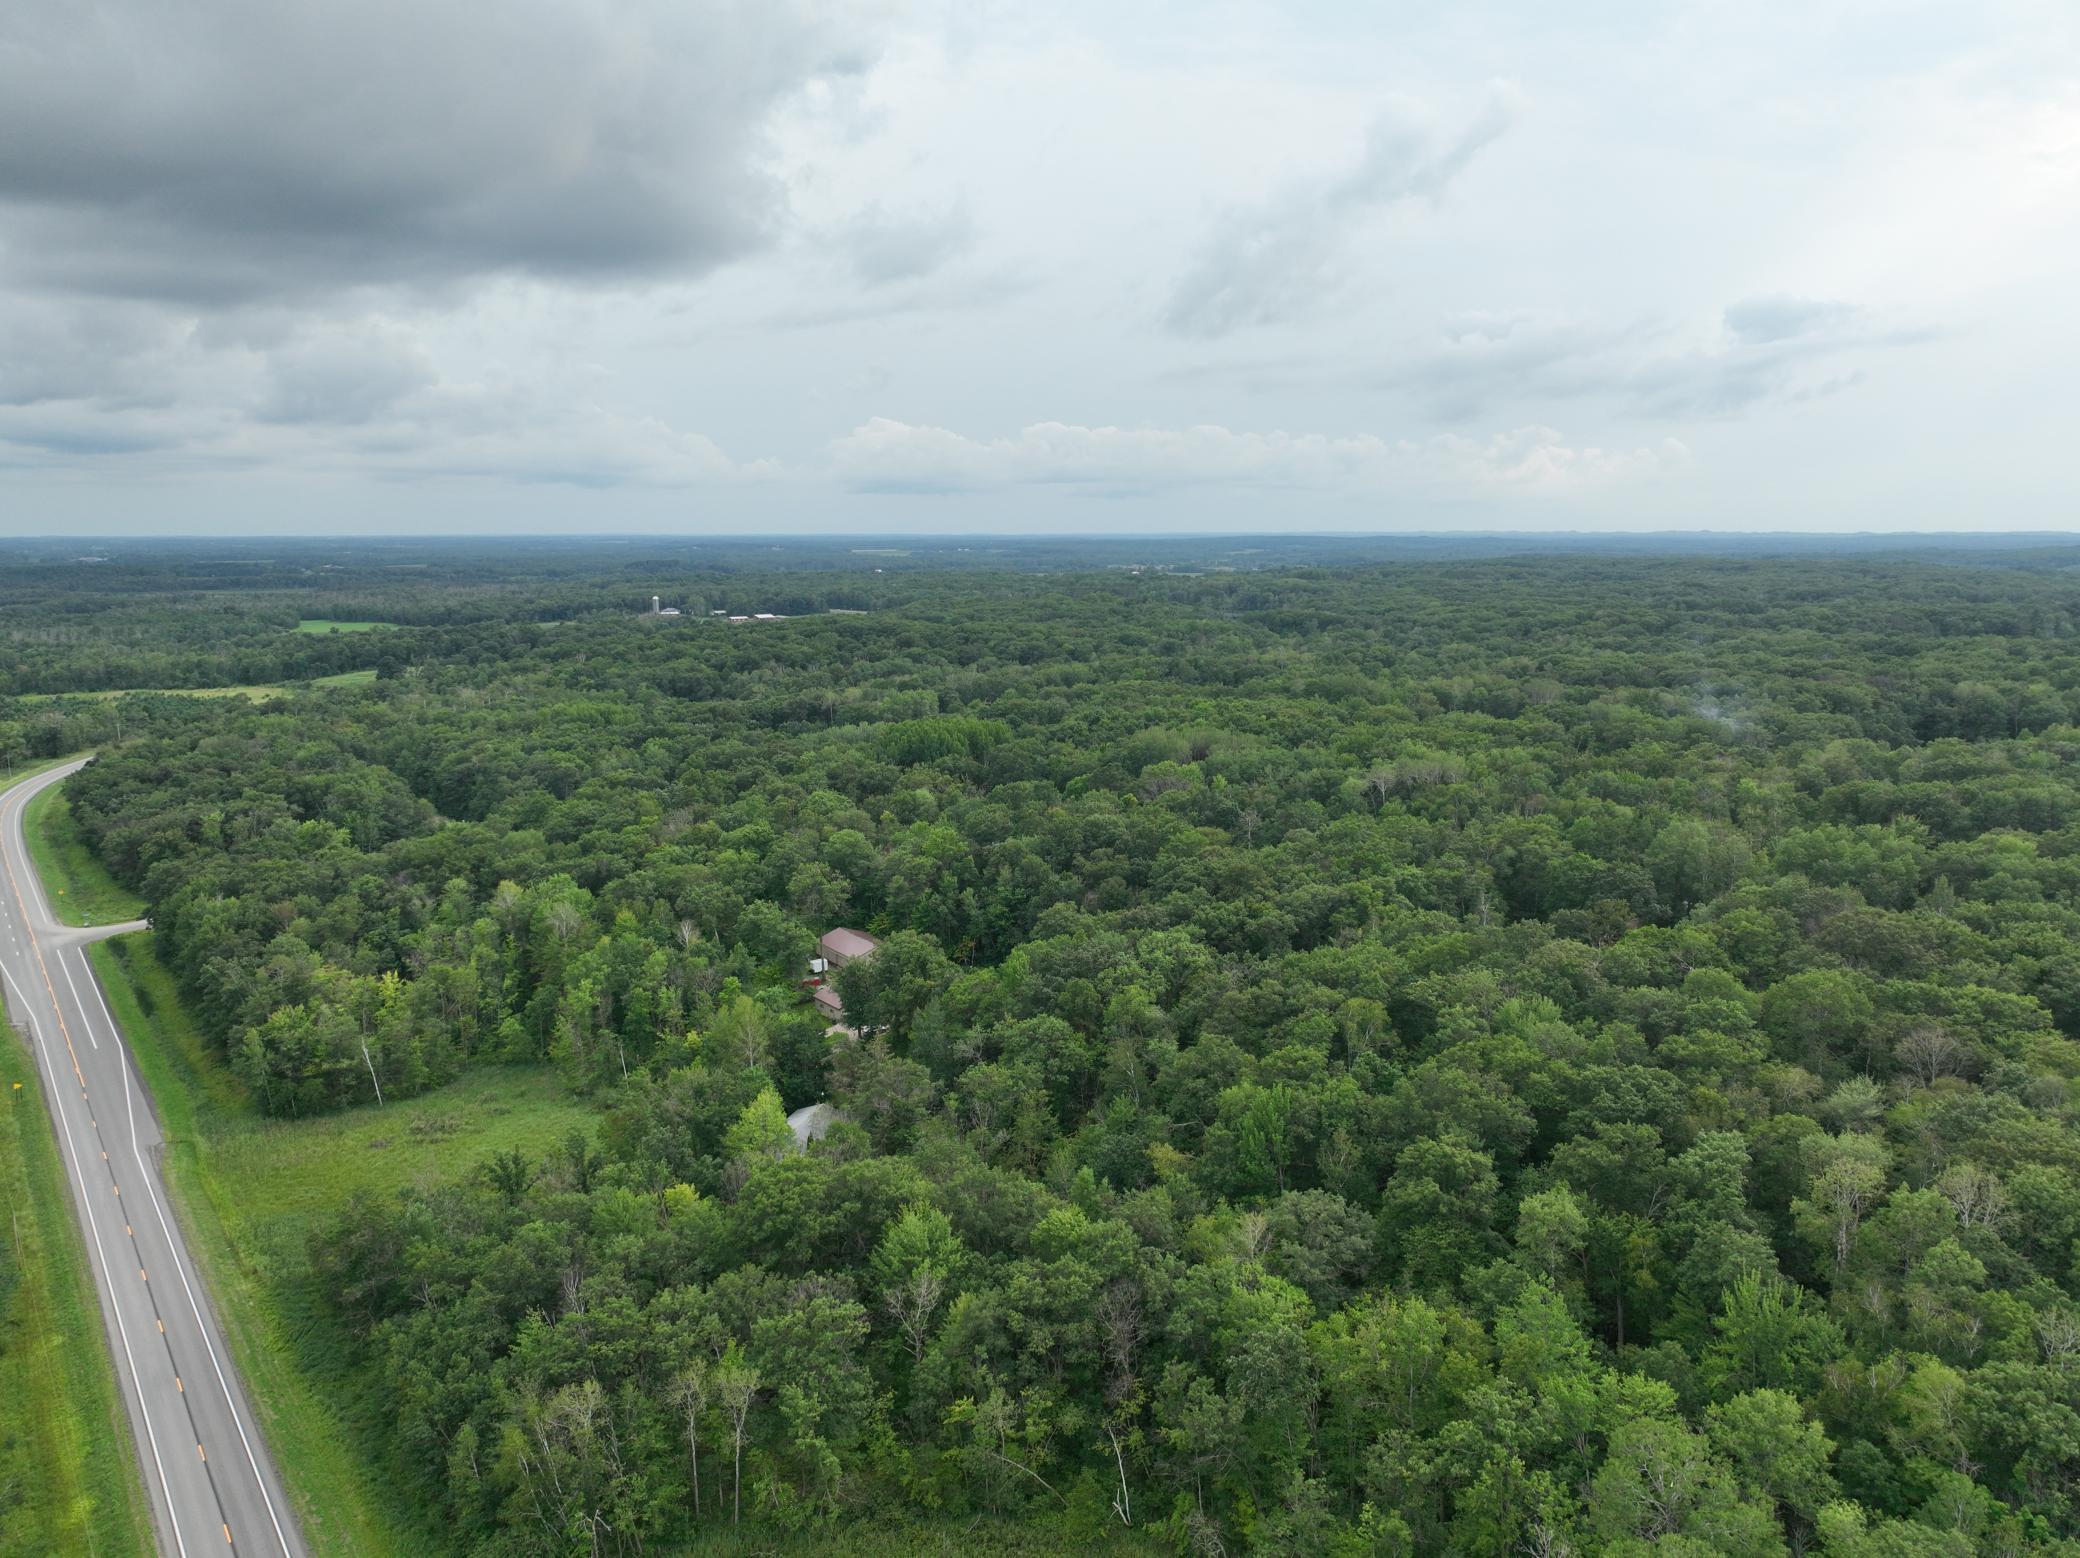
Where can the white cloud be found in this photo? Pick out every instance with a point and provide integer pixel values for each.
(516, 433)
(883, 455)
(1759, 351)
(350, 375)
(365, 400)
(880, 246)
(1761, 320)
(72, 435)
(1278, 261)
(55, 352)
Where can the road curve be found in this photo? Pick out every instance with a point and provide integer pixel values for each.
(213, 1488)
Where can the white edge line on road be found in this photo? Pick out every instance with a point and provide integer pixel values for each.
(21, 828)
(146, 1170)
(41, 782)
(175, 1246)
(86, 1199)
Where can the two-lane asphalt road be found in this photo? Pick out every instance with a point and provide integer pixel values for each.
(212, 1487)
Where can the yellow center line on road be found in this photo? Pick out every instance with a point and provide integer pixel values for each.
(93, 1229)
(10, 815)
(36, 947)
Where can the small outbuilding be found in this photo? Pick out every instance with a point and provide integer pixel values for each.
(812, 1124)
(841, 946)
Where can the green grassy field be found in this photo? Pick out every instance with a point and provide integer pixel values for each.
(252, 694)
(80, 890)
(333, 625)
(69, 1480)
(257, 693)
(251, 1190)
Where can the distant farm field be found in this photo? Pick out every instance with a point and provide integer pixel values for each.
(334, 625)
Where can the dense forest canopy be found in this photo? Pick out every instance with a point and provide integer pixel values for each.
(1562, 1054)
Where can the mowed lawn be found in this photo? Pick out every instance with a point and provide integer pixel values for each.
(251, 1191)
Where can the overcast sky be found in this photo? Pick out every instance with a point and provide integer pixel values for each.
(616, 265)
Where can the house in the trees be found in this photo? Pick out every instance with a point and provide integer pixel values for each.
(833, 952)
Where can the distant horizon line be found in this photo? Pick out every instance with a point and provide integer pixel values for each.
(771, 538)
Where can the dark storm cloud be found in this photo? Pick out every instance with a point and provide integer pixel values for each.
(217, 152)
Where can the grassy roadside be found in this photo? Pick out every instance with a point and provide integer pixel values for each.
(80, 889)
(69, 1478)
(249, 1191)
